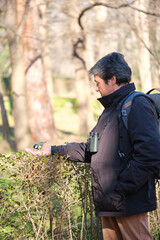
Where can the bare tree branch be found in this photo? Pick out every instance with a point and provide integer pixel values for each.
(113, 7)
(5, 26)
(32, 62)
(133, 28)
(118, 7)
(75, 53)
(23, 20)
(143, 42)
(145, 12)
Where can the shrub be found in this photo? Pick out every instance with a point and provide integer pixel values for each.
(46, 198)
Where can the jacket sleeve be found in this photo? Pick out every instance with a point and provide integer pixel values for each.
(73, 151)
(145, 139)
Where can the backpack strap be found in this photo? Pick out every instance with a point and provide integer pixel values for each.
(124, 110)
(126, 106)
(157, 89)
(155, 97)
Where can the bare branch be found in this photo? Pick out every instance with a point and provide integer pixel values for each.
(145, 45)
(21, 25)
(7, 27)
(143, 42)
(113, 7)
(145, 12)
(32, 62)
(75, 53)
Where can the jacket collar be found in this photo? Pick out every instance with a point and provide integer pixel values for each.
(115, 97)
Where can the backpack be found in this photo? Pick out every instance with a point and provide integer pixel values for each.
(125, 108)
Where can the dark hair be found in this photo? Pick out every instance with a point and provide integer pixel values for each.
(112, 64)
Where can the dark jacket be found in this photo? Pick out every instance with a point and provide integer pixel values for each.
(122, 186)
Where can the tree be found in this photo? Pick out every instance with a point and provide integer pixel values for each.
(142, 12)
(153, 30)
(27, 64)
(21, 130)
(39, 105)
(5, 123)
(144, 56)
(79, 58)
(33, 37)
(43, 9)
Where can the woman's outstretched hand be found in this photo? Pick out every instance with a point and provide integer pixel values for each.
(41, 152)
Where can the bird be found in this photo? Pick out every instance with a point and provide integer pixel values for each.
(39, 145)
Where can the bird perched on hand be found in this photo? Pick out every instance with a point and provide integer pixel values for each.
(39, 145)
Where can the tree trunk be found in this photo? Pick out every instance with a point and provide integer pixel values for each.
(39, 105)
(5, 129)
(82, 89)
(81, 74)
(43, 16)
(100, 21)
(153, 23)
(21, 128)
(144, 43)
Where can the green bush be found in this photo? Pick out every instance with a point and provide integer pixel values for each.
(45, 198)
(50, 198)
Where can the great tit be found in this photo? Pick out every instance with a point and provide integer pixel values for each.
(39, 145)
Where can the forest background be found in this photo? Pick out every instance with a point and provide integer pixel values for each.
(46, 50)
